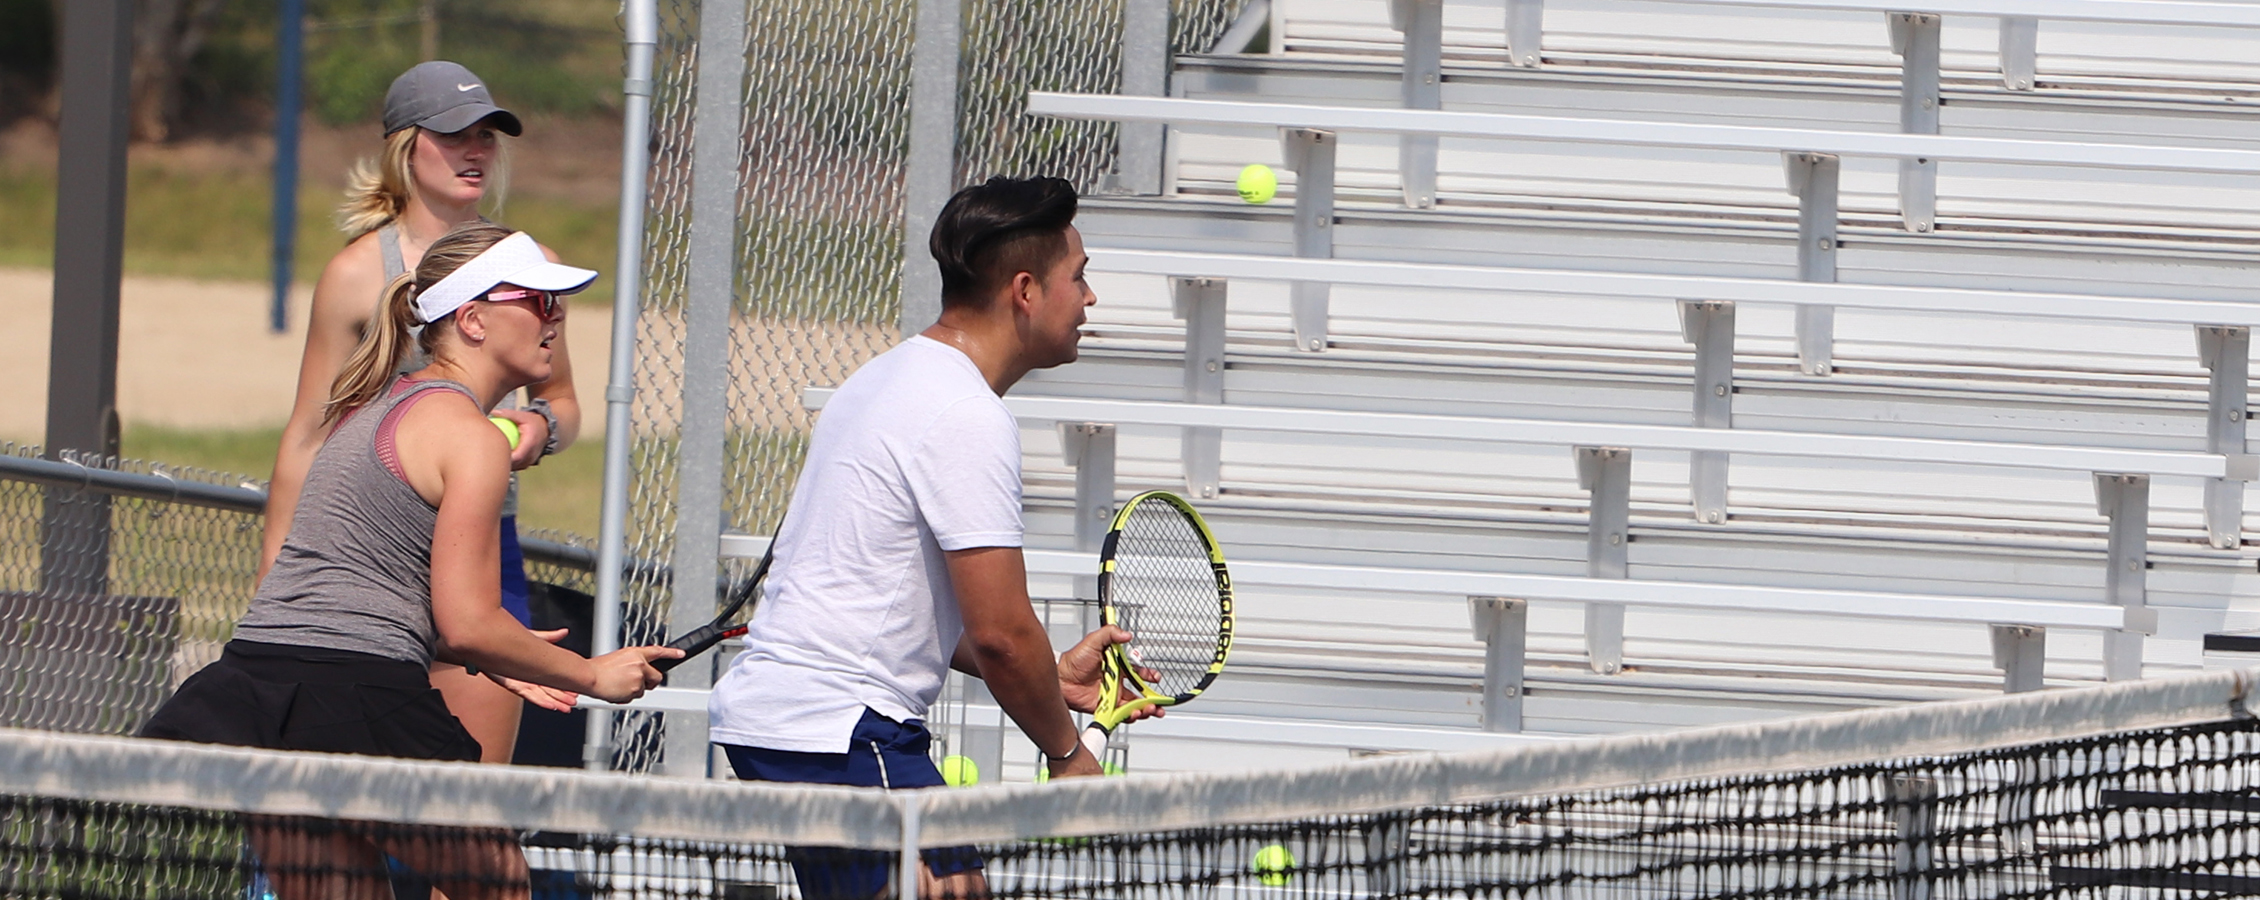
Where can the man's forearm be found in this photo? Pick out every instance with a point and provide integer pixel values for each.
(1024, 678)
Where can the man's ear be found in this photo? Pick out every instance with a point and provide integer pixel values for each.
(1022, 292)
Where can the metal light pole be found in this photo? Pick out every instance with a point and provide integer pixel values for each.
(290, 43)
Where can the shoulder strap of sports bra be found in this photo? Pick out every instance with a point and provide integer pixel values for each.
(388, 244)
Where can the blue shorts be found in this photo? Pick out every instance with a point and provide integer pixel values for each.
(514, 574)
(881, 753)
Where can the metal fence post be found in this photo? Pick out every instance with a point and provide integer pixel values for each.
(1503, 625)
(712, 289)
(640, 19)
(1145, 73)
(2020, 52)
(82, 358)
(930, 171)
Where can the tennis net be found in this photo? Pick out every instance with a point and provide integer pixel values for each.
(2139, 789)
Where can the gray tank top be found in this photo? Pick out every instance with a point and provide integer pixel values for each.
(355, 573)
(388, 246)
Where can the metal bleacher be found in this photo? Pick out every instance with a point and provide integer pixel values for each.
(2034, 309)
(1623, 365)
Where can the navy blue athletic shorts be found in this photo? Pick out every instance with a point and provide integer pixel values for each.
(881, 753)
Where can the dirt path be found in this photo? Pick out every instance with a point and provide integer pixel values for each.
(197, 354)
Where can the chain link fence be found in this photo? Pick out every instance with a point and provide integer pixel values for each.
(819, 250)
(120, 578)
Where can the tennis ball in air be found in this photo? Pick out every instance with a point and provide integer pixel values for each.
(1258, 184)
(959, 771)
(509, 429)
(1272, 863)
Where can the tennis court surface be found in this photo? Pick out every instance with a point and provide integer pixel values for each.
(2108, 791)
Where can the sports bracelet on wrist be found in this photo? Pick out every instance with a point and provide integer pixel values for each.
(540, 407)
(1070, 754)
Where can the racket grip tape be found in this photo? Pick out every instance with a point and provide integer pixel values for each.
(696, 642)
(1094, 739)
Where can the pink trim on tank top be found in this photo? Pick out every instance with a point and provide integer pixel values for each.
(388, 450)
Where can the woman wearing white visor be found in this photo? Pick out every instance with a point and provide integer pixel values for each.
(390, 564)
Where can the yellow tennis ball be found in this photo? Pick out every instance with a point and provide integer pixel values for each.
(1258, 184)
(1272, 863)
(509, 429)
(1110, 769)
(959, 771)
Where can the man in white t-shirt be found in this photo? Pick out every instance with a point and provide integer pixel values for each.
(901, 556)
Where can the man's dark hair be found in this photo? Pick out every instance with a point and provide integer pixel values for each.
(990, 232)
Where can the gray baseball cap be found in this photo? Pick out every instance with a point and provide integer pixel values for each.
(444, 97)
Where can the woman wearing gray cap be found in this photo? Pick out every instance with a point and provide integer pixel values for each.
(443, 154)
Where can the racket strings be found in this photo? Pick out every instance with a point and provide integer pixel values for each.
(1164, 592)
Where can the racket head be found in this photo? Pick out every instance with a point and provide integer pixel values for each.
(1162, 578)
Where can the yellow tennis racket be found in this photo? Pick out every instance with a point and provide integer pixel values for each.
(1161, 578)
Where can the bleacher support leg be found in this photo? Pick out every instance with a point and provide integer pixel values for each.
(1914, 36)
(1200, 302)
(2021, 653)
(2125, 500)
(2020, 52)
(1526, 25)
(1914, 820)
(1089, 447)
(1606, 474)
(1311, 154)
(2227, 351)
(1145, 73)
(1422, 22)
(1709, 325)
(1813, 179)
(1503, 625)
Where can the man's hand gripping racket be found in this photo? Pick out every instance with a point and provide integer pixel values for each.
(1162, 579)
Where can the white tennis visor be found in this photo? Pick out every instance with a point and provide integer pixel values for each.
(514, 260)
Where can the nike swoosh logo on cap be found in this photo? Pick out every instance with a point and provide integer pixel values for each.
(467, 87)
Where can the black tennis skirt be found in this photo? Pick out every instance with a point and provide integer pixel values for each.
(282, 697)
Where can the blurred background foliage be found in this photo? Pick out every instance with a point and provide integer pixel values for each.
(206, 66)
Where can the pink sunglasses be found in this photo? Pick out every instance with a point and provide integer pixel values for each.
(547, 307)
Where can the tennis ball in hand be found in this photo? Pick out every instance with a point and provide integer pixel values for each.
(509, 429)
(1272, 863)
(1258, 184)
(959, 771)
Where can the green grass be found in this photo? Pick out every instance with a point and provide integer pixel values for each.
(219, 225)
(248, 452)
(565, 492)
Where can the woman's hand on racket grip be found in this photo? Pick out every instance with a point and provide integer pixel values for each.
(1082, 671)
(625, 674)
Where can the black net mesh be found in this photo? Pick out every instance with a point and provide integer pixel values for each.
(1164, 591)
(2158, 813)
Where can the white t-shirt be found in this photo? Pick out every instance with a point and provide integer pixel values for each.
(914, 455)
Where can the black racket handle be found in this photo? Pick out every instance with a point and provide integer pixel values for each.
(698, 641)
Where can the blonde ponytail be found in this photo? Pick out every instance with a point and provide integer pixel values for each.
(385, 342)
(376, 191)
